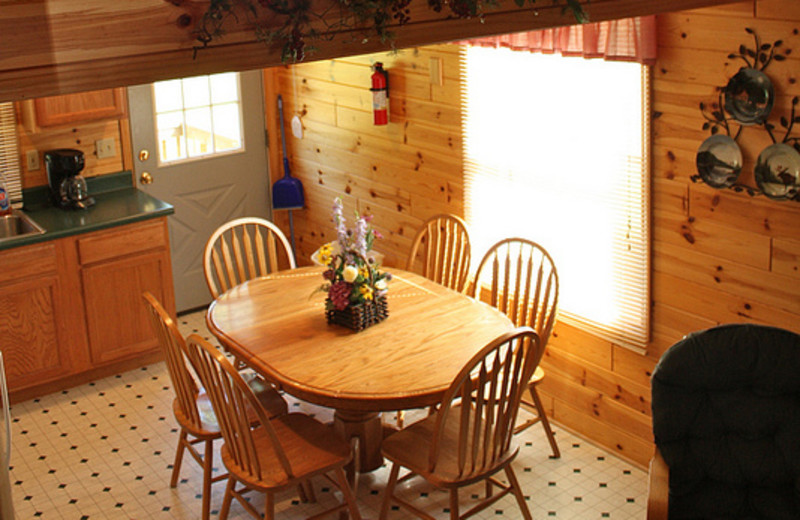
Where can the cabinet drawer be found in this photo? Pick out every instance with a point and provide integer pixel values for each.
(122, 241)
(27, 261)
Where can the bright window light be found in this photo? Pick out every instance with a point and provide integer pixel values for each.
(555, 151)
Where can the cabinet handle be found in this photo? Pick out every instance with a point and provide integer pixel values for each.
(146, 178)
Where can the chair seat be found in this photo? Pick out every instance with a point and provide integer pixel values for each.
(410, 447)
(311, 447)
(537, 376)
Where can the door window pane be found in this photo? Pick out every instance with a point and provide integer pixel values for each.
(224, 88)
(198, 117)
(171, 136)
(227, 130)
(199, 132)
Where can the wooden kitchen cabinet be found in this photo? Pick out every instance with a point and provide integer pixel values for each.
(80, 108)
(71, 309)
(34, 311)
(117, 266)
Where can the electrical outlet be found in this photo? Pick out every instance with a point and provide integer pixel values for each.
(105, 148)
(32, 160)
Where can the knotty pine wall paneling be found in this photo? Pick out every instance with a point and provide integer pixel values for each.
(718, 256)
(403, 172)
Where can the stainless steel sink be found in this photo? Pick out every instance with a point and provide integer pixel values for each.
(18, 225)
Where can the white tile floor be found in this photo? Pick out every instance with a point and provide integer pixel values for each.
(105, 450)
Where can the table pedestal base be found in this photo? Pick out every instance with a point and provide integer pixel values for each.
(366, 426)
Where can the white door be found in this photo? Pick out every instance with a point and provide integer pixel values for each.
(192, 150)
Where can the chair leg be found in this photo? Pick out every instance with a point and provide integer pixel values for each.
(401, 416)
(176, 465)
(208, 460)
(512, 480)
(226, 502)
(347, 494)
(454, 504)
(389, 491)
(306, 492)
(545, 423)
(269, 506)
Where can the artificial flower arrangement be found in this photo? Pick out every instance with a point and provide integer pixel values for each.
(355, 285)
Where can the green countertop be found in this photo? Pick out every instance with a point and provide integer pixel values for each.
(120, 204)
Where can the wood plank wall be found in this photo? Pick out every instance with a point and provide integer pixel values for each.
(403, 172)
(718, 256)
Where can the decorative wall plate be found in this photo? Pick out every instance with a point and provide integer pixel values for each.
(749, 96)
(719, 161)
(777, 172)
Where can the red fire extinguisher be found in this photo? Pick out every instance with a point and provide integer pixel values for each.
(380, 94)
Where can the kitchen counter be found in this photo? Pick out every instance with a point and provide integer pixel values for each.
(117, 203)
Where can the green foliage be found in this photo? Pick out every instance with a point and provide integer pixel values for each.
(366, 19)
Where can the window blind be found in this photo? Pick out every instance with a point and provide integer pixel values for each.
(9, 153)
(556, 150)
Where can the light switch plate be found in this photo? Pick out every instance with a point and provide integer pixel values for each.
(436, 72)
(105, 148)
(32, 160)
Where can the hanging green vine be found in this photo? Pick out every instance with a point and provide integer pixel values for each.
(370, 18)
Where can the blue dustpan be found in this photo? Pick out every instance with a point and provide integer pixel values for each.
(287, 192)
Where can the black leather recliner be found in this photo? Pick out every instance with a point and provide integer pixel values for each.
(726, 419)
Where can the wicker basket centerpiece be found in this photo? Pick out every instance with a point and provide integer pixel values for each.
(355, 285)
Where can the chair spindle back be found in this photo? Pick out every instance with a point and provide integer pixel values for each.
(172, 344)
(232, 399)
(489, 389)
(441, 251)
(244, 249)
(523, 283)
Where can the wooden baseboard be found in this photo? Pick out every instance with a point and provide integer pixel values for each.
(72, 380)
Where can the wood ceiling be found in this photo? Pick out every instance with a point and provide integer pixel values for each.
(52, 47)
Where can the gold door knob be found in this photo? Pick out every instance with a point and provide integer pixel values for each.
(146, 178)
(144, 155)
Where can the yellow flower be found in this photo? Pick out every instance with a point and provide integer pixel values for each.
(323, 255)
(366, 291)
(364, 271)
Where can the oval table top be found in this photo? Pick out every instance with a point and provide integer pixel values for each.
(277, 325)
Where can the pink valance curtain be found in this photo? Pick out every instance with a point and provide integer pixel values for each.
(631, 39)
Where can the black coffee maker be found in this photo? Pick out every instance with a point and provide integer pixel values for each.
(68, 188)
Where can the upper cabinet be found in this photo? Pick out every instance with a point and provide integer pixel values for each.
(80, 108)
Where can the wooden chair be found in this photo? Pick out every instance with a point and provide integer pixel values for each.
(191, 406)
(243, 249)
(521, 280)
(470, 437)
(441, 252)
(275, 453)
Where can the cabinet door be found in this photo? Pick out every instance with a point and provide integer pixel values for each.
(115, 312)
(34, 316)
(81, 107)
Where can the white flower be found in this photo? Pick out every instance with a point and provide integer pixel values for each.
(380, 284)
(350, 273)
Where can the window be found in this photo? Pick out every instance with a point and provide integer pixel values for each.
(555, 150)
(9, 153)
(197, 117)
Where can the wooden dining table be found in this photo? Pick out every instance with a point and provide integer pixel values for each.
(276, 324)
